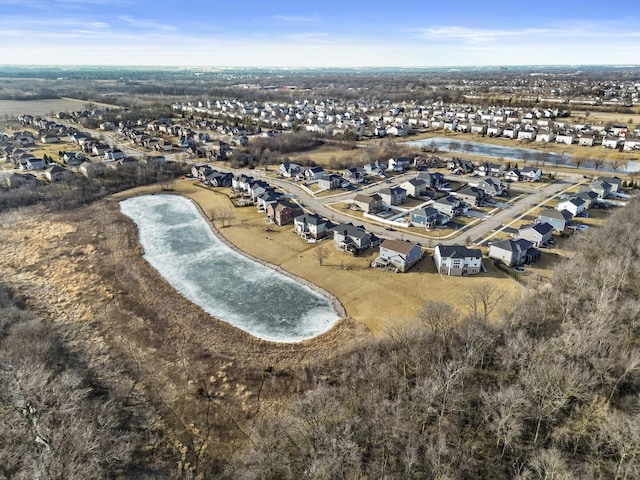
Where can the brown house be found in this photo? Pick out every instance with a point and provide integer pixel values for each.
(283, 212)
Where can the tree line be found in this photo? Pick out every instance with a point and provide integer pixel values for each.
(550, 390)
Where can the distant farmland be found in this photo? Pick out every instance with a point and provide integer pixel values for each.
(13, 108)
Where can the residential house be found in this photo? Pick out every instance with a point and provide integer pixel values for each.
(376, 168)
(416, 187)
(538, 234)
(354, 174)
(459, 166)
(589, 196)
(219, 179)
(330, 182)
(266, 198)
(449, 205)
(399, 164)
(36, 164)
(313, 173)
(601, 187)
(612, 142)
(631, 144)
(368, 203)
(400, 254)
(492, 187)
(545, 136)
(566, 138)
(513, 175)
(289, 169)
(56, 173)
(433, 179)
(242, 183)
(473, 196)
(393, 195)
(559, 219)
(312, 226)
(257, 188)
(201, 170)
(100, 149)
(457, 260)
(586, 140)
(354, 239)
(513, 252)
(283, 212)
(614, 182)
(113, 155)
(490, 169)
(92, 169)
(531, 174)
(573, 204)
(49, 138)
(16, 180)
(428, 217)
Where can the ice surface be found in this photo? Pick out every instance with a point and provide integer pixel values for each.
(179, 244)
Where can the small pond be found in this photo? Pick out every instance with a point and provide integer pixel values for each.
(179, 244)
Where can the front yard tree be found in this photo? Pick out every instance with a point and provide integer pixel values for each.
(597, 162)
(454, 146)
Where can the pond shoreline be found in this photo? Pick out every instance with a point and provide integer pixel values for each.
(336, 304)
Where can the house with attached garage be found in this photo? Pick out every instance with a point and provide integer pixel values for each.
(219, 179)
(393, 195)
(368, 203)
(376, 168)
(313, 173)
(450, 206)
(513, 252)
(428, 217)
(492, 187)
(601, 187)
(589, 196)
(354, 174)
(457, 260)
(398, 254)
(573, 204)
(330, 182)
(56, 173)
(415, 187)
(586, 140)
(538, 234)
(473, 196)
(559, 219)
(513, 175)
(490, 169)
(615, 183)
(459, 166)
(612, 142)
(283, 212)
(289, 169)
(36, 164)
(531, 174)
(350, 238)
(399, 164)
(312, 226)
(242, 182)
(433, 179)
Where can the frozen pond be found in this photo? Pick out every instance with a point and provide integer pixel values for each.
(180, 245)
(510, 153)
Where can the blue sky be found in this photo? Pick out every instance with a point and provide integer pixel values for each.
(282, 33)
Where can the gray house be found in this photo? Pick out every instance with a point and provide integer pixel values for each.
(330, 181)
(312, 226)
(559, 219)
(415, 187)
(393, 195)
(474, 196)
(513, 252)
(538, 234)
(349, 238)
(400, 254)
(450, 206)
(369, 203)
(429, 217)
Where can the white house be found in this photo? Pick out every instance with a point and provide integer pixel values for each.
(531, 174)
(575, 205)
(457, 260)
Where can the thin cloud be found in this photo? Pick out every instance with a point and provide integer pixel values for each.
(294, 18)
(150, 24)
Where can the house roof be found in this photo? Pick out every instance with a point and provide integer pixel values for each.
(400, 246)
(458, 251)
(520, 245)
(556, 214)
(542, 228)
(311, 219)
(367, 198)
(426, 212)
(350, 230)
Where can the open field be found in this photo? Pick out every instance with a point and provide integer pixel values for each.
(13, 108)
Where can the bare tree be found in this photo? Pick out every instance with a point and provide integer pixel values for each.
(597, 162)
(482, 300)
(454, 146)
(467, 147)
(438, 316)
(321, 252)
(577, 160)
